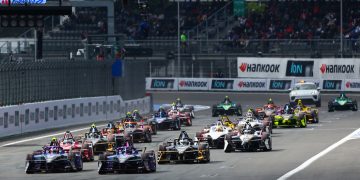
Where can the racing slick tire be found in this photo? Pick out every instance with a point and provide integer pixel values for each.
(102, 158)
(28, 164)
(227, 145)
(204, 147)
(189, 122)
(154, 129)
(238, 110)
(268, 144)
(148, 137)
(161, 148)
(145, 157)
(355, 106)
(331, 108)
(315, 116)
(214, 111)
(318, 103)
(177, 125)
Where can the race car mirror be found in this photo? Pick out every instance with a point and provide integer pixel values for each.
(318, 88)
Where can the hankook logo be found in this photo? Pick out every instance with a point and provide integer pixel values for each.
(334, 68)
(193, 83)
(244, 84)
(352, 84)
(268, 68)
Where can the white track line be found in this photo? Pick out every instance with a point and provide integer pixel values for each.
(319, 155)
(42, 137)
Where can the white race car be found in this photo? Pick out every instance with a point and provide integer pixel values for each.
(307, 92)
(214, 135)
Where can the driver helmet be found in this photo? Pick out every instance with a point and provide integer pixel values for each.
(219, 128)
(342, 95)
(161, 108)
(136, 111)
(249, 114)
(227, 98)
(270, 101)
(299, 103)
(128, 115)
(93, 125)
(178, 100)
(53, 139)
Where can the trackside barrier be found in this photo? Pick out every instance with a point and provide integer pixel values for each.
(33, 117)
(247, 84)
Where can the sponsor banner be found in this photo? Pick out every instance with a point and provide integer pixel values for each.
(279, 84)
(337, 68)
(13, 2)
(193, 84)
(161, 84)
(351, 85)
(332, 85)
(300, 68)
(250, 85)
(261, 67)
(222, 84)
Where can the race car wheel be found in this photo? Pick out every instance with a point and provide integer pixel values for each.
(355, 107)
(101, 167)
(189, 122)
(318, 103)
(177, 125)
(154, 129)
(227, 145)
(28, 164)
(148, 137)
(268, 144)
(238, 110)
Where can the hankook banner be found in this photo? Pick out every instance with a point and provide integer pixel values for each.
(250, 84)
(193, 84)
(261, 67)
(351, 85)
(337, 68)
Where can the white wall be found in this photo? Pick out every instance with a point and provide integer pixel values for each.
(43, 115)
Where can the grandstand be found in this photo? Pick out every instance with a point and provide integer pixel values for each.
(274, 28)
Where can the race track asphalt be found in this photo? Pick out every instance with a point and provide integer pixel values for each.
(291, 147)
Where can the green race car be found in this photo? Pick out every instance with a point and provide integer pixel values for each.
(295, 118)
(226, 108)
(342, 103)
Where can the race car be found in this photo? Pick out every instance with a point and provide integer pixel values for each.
(308, 92)
(163, 121)
(127, 159)
(184, 117)
(183, 149)
(342, 103)
(147, 123)
(183, 108)
(290, 118)
(267, 110)
(227, 122)
(69, 143)
(135, 132)
(99, 142)
(214, 134)
(311, 114)
(248, 139)
(53, 159)
(226, 108)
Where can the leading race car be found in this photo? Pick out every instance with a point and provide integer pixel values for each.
(185, 108)
(214, 134)
(127, 159)
(53, 159)
(342, 103)
(183, 149)
(308, 92)
(226, 108)
(248, 139)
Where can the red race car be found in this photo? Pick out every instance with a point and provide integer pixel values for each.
(69, 143)
(183, 116)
